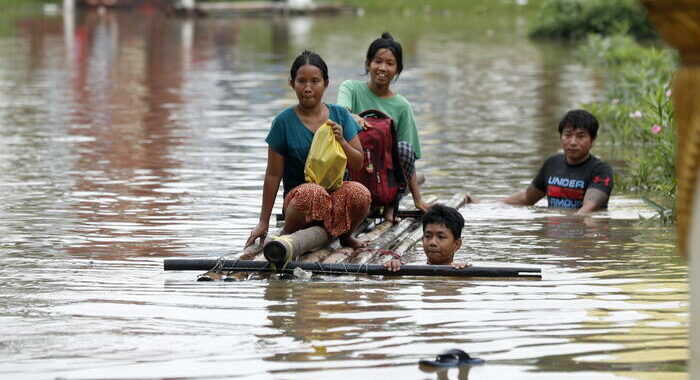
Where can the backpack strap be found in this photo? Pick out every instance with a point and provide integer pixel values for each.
(374, 113)
(399, 174)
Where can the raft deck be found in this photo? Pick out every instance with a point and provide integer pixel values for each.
(314, 250)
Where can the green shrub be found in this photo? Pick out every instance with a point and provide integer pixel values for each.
(574, 19)
(637, 112)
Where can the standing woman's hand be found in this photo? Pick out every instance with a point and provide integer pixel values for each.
(360, 121)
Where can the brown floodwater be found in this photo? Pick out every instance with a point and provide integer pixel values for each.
(127, 138)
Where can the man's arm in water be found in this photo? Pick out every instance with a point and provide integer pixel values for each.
(592, 201)
(527, 197)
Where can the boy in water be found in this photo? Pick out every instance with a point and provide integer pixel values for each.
(442, 237)
(574, 179)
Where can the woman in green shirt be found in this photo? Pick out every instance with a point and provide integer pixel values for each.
(384, 63)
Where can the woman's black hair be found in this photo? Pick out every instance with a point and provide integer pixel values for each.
(580, 119)
(445, 215)
(308, 58)
(386, 41)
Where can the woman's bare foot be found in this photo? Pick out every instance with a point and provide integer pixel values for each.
(352, 242)
(389, 214)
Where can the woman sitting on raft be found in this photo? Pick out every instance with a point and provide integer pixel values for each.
(289, 141)
(384, 63)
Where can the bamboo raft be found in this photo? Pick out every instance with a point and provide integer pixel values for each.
(313, 250)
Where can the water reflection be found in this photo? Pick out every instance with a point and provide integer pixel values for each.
(445, 373)
(129, 136)
(578, 239)
(335, 319)
(126, 81)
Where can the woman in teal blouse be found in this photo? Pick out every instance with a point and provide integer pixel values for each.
(289, 140)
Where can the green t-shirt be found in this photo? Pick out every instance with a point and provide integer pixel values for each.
(357, 97)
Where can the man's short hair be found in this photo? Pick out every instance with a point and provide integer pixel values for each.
(580, 119)
(445, 215)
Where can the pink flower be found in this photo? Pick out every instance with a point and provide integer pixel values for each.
(655, 129)
(615, 101)
(668, 93)
(636, 114)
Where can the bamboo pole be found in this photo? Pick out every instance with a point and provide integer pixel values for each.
(323, 253)
(320, 254)
(403, 246)
(678, 21)
(365, 256)
(344, 269)
(382, 236)
(343, 255)
(289, 247)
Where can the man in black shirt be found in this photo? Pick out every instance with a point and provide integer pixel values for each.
(574, 179)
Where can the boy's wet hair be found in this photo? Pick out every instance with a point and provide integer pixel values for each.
(386, 41)
(580, 119)
(445, 215)
(308, 57)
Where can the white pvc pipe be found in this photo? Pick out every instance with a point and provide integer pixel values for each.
(68, 5)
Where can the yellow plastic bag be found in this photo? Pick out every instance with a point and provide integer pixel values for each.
(325, 164)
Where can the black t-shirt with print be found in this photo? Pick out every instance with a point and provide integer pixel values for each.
(565, 185)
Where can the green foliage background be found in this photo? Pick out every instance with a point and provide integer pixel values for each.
(637, 110)
(575, 19)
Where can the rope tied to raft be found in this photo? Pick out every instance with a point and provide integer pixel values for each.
(329, 271)
(229, 267)
(361, 266)
(218, 266)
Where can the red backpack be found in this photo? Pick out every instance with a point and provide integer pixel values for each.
(381, 170)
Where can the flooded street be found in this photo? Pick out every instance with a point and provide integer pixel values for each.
(127, 138)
